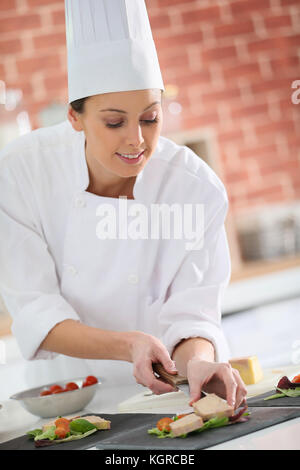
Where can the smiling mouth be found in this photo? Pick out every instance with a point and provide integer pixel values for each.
(130, 155)
(130, 158)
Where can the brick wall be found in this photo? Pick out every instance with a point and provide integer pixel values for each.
(233, 60)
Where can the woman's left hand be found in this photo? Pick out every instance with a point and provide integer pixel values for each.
(215, 377)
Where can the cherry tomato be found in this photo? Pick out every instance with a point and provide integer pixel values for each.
(45, 392)
(71, 386)
(91, 380)
(296, 379)
(163, 424)
(53, 388)
(58, 390)
(63, 423)
(61, 432)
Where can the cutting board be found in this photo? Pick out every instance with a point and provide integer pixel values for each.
(129, 431)
(178, 402)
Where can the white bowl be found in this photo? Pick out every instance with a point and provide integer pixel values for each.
(58, 404)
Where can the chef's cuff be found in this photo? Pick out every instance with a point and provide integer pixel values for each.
(33, 323)
(179, 331)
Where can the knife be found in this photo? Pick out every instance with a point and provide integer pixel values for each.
(178, 381)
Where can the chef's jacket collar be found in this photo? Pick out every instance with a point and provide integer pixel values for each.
(83, 177)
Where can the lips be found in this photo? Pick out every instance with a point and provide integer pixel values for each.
(136, 154)
(130, 160)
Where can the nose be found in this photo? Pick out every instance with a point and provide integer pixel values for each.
(134, 136)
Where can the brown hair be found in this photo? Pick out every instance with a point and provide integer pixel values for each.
(78, 105)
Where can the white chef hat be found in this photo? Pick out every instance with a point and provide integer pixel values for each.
(110, 47)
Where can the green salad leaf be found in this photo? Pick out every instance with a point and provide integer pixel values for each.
(81, 425)
(285, 392)
(35, 432)
(48, 434)
(75, 437)
(215, 422)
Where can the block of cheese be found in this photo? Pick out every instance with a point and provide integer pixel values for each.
(211, 406)
(249, 368)
(188, 423)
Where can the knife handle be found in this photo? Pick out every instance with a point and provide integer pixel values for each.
(172, 379)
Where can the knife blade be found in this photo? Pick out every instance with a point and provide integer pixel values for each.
(178, 381)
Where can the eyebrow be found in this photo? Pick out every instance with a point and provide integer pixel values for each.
(125, 112)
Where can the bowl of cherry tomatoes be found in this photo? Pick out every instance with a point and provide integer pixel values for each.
(59, 399)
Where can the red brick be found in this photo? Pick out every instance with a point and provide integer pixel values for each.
(160, 21)
(219, 53)
(249, 111)
(230, 136)
(247, 6)
(177, 60)
(49, 40)
(187, 78)
(242, 70)
(276, 127)
(14, 24)
(36, 64)
(201, 15)
(24, 85)
(280, 65)
(270, 166)
(38, 3)
(178, 40)
(56, 82)
(286, 3)
(2, 72)
(271, 45)
(275, 189)
(190, 122)
(280, 21)
(225, 95)
(293, 41)
(237, 176)
(270, 149)
(58, 17)
(287, 107)
(7, 5)
(277, 84)
(9, 47)
(234, 29)
(171, 3)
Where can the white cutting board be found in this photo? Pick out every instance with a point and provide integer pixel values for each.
(177, 402)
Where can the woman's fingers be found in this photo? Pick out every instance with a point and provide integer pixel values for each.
(241, 393)
(144, 375)
(195, 391)
(229, 382)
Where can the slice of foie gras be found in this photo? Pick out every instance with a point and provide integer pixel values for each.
(188, 423)
(212, 406)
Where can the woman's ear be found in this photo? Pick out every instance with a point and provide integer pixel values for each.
(74, 119)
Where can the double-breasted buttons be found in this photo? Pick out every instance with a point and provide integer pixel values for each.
(133, 279)
(79, 202)
(70, 269)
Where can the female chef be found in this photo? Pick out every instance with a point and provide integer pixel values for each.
(121, 298)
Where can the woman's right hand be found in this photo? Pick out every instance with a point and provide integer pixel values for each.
(144, 351)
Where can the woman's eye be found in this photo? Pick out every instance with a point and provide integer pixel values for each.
(119, 124)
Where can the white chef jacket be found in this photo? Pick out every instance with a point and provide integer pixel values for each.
(53, 267)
